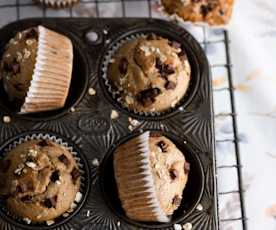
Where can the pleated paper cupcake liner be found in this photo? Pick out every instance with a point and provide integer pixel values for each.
(136, 184)
(51, 79)
(57, 3)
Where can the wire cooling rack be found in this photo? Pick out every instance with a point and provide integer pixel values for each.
(216, 43)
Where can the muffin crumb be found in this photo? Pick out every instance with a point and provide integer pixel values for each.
(114, 114)
(6, 119)
(177, 227)
(95, 162)
(92, 91)
(187, 226)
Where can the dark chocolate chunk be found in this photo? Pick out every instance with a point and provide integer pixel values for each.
(32, 34)
(15, 67)
(170, 85)
(5, 165)
(123, 64)
(64, 159)
(173, 174)
(43, 143)
(163, 146)
(26, 199)
(204, 10)
(164, 69)
(175, 44)
(75, 175)
(176, 201)
(50, 202)
(55, 176)
(186, 167)
(19, 87)
(221, 12)
(147, 97)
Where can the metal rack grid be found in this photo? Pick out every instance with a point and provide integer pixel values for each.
(16, 7)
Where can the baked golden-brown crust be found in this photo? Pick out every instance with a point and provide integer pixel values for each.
(40, 180)
(151, 73)
(214, 12)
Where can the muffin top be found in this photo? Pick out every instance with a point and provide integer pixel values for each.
(214, 12)
(170, 171)
(39, 180)
(151, 73)
(17, 64)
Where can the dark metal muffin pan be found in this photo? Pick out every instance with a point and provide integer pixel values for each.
(86, 122)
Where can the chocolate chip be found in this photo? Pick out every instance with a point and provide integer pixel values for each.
(26, 199)
(50, 202)
(64, 159)
(147, 97)
(170, 85)
(6, 67)
(204, 10)
(43, 143)
(5, 165)
(173, 174)
(182, 55)
(175, 44)
(75, 175)
(163, 146)
(19, 87)
(164, 69)
(32, 33)
(15, 68)
(221, 12)
(123, 64)
(152, 37)
(176, 201)
(55, 176)
(186, 167)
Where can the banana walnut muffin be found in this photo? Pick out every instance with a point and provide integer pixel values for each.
(40, 181)
(151, 73)
(214, 12)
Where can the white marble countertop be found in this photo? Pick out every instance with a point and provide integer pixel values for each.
(253, 50)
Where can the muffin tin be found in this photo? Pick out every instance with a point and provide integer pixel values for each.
(86, 122)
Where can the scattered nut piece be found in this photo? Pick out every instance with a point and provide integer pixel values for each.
(7, 119)
(177, 227)
(95, 162)
(31, 164)
(88, 213)
(118, 223)
(92, 91)
(187, 226)
(78, 197)
(50, 222)
(133, 122)
(114, 114)
(199, 207)
(27, 220)
(72, 109)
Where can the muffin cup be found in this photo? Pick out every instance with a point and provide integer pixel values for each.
(57, 3)
(50, 84)
(139, 182)
(115, 94)
(82, 169)
(136, 142)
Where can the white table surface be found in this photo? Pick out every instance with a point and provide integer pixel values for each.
(253, 49)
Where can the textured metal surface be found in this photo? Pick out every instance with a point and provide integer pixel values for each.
(89, 123)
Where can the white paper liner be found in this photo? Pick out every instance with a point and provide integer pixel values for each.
(57, 140)
(52, 74)
(135, 189)
(57, 3)
(115, 93)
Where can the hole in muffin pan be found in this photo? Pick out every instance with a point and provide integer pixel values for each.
(79, 81)
(196, 57)
(191, 194)
(84, 188)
